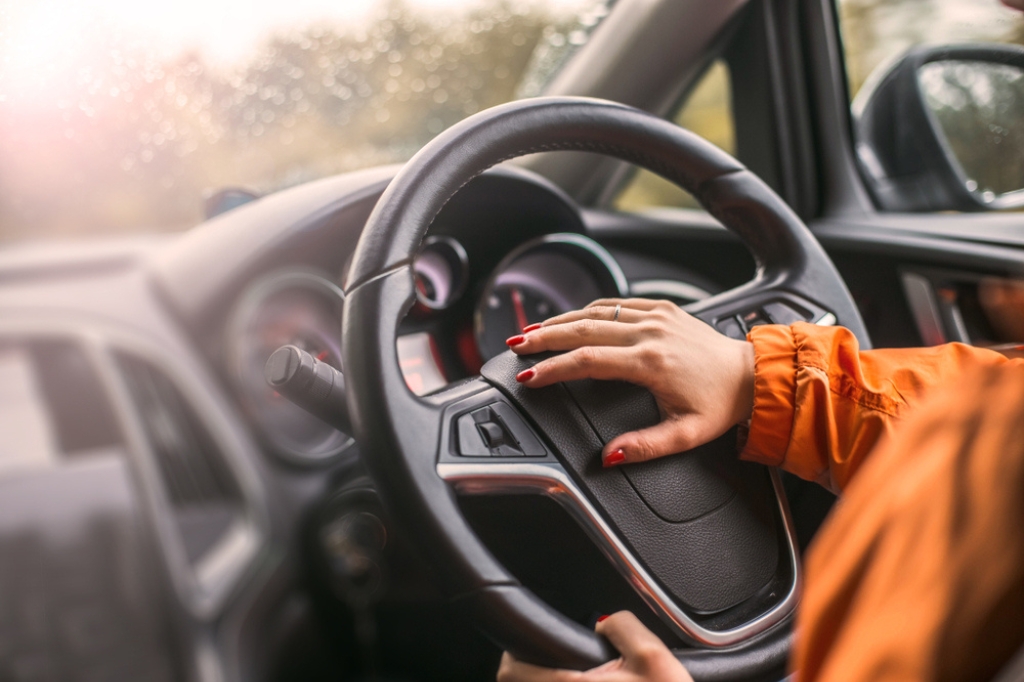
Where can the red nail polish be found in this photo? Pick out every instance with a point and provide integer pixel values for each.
(525, 375)
(615, 457)
(532, 327)
(516, 340)
(601, 619)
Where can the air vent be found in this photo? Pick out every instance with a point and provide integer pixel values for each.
(197, 481)
(82, 416)
(53, 406)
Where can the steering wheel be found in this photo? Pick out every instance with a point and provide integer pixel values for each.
(703, 538)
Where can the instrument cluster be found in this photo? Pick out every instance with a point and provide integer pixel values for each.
(539, 279)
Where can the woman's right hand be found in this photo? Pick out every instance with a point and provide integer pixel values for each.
(703, 381)
(645, 658)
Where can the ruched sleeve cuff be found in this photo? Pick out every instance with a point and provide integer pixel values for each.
(774, 394)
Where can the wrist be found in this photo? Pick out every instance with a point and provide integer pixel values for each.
(744, 407)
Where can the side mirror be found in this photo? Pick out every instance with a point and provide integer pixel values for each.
(943, 129)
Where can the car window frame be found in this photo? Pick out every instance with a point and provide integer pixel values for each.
(771, 110)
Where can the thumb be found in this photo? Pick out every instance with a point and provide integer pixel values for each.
(675, 434)
(631, 637)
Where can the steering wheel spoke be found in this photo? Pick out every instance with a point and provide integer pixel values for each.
(551, 479)
(737, 311)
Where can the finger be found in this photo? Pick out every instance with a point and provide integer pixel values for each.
(671, 436)
(589, 362)
(607, 313)
(512, 670)
(585, 332)
(627, 303)
(630, 636)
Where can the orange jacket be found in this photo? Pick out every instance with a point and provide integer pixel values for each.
(918, 574)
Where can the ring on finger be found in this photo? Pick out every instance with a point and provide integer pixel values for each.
(618, 309)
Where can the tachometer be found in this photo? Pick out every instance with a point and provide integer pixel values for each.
(291, 307)
(542, 278)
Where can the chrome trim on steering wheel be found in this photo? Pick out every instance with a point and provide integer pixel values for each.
(551, 480)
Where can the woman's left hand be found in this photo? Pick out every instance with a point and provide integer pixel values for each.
(645, 658)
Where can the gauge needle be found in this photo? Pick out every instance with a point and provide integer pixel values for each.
(517, 303)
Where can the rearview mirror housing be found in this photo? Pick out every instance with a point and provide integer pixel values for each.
(943, 129)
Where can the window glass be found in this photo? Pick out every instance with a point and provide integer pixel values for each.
(876, 32)
(117, 116)
(707, 111)
(963, 93)
(976, 104)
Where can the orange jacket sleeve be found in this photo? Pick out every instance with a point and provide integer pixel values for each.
(821, 404)
(919, 573)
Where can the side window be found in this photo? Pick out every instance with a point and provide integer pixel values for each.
(707, 111)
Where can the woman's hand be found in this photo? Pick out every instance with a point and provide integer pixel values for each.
(1003, 303)
(703, 381)
(644, 658)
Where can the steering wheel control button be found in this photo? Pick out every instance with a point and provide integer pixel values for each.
(471, 440)
(311, 384)
(754, 318)
(496, 431)
(529, 444)
(494, 436)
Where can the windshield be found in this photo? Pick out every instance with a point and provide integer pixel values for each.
(119, 116)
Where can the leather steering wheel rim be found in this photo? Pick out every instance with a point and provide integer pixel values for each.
(401, 435)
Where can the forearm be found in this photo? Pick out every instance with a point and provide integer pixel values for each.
(821, 404)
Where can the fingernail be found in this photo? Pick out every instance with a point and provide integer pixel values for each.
(615, 457)
(525, 375)
(532, 327)
(516, 340)
(601, 619)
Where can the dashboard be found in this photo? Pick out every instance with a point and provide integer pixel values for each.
(145, 357)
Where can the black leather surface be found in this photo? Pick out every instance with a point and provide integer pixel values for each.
(504, 132)
(400, 435)
(679, 488)
(762, 659)
(507, 611)
(717, 558)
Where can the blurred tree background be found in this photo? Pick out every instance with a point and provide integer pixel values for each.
(131, 139)
(134, 141)
(875, 32)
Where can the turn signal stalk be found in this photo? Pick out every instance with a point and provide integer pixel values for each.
(311, 384)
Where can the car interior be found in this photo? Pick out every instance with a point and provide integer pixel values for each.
(381, 500)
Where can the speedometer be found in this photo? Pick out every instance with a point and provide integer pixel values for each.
(290, 307)
(542, 278)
